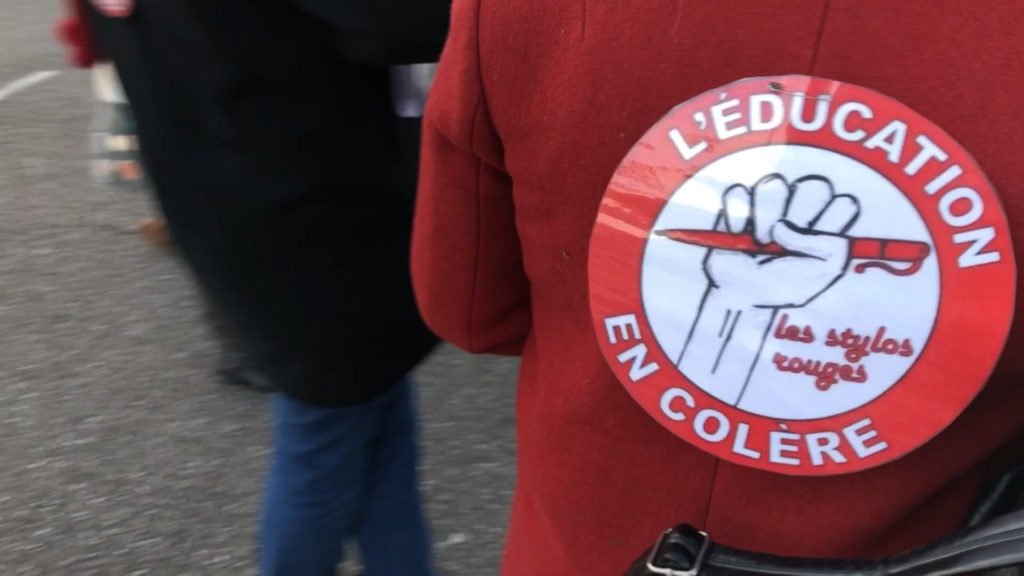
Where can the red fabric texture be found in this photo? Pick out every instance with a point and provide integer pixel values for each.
(72, 33)
(534, 105)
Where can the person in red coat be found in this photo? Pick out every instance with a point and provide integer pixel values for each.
(757, 259)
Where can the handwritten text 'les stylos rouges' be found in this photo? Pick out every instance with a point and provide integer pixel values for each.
(856, 346)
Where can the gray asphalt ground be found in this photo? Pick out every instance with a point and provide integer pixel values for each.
(119, 454)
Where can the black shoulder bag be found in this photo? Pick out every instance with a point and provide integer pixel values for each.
(992, 543)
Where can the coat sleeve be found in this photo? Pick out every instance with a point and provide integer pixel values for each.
(467, 261)
(384, 32)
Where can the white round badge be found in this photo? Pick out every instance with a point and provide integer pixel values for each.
(801, 275)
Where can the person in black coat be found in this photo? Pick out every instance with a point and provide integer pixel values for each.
(268, 130)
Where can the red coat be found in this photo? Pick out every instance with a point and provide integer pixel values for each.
(534, 105)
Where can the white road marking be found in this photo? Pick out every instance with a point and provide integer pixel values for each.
(25, 82)
(453, 540)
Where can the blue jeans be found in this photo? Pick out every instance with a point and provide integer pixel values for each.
(345, 473)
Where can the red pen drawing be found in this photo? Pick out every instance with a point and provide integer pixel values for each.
(879, 250)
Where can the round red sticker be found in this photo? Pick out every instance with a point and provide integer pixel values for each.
(115, 8)
(801, 275)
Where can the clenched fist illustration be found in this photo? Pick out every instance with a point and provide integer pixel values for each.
(792, 247)
(802, 226)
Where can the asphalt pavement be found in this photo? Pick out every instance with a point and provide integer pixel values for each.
(119, 453)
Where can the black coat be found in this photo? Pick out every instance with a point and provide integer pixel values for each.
(267, 129)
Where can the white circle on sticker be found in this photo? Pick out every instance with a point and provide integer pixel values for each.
(874, 322)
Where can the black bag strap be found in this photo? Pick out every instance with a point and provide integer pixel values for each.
(986, 544)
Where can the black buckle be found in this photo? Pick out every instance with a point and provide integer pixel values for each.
(698, 563)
